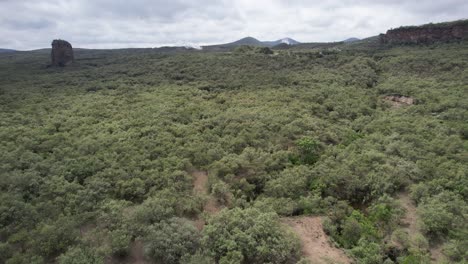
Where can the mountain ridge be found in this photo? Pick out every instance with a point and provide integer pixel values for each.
(251, 41)
(7, 50)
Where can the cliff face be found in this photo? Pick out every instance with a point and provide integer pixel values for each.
(62, 53)
(427, 33)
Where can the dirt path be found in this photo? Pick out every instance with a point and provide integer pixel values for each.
(410, 220)
(200, 186)
(200, 182)
(315, 243)
(137, 255)
(411, 226)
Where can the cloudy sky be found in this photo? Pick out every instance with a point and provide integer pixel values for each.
(32, 24)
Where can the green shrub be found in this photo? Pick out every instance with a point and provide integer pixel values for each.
(249, 236)
(442, 213)
(309, 150)
(221, 191)
(456, 250)
(169, 240)
(291, 183)
(367, 252)
(80, 255)
(120, 242)
(352, 229)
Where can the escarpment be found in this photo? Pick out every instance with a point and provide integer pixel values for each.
(430, 33)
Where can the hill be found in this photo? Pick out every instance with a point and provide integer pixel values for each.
(349, 40)
(250, 41)
(287, 41)
(7, 50)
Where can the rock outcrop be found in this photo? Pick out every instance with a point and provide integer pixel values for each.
(62, 53)
(397, 100)
(430, 33)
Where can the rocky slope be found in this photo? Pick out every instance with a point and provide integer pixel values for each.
(430, 33)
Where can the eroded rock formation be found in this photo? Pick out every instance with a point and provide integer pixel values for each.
(62, 53)
(397, 100)
(430, 33)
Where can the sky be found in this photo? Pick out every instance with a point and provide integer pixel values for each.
(33, 24)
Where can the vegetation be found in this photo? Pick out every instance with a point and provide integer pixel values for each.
(99, 155)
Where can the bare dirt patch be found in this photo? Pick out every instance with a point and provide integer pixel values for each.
(136, 255)
(315, 243)
(397, 101)
(410, 219)
(200, 182)
(200, 186)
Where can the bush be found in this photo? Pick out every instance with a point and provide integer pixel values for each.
(367, 252)
(282, 206)
(220, 191)
(290, 183)
(249, 236)
(55, 238)
(132, 190)
(349, 230)
(197, 258)
(120, 242)
(386, 213)
(264, 50)
(456, 250)
(80, 255)
(169, 240)
(443, 212)
(308, 150)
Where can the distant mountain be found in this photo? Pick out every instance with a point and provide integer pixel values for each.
(287, 41)
(349, 40)
(7, 50)
(245, 41)
(254, 42)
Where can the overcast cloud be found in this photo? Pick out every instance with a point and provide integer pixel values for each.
(32, 24)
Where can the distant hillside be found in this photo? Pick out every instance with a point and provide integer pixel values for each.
(348, 40)
(245, 41)
(250, 41)
(7, 50)
(287, 41)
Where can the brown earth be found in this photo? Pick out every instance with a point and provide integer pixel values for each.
(200, 182)
(397, 101)
(137, 254)
(410, 219)
(315, 243)
(200, 187)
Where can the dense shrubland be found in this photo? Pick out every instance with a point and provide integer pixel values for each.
(98, 155)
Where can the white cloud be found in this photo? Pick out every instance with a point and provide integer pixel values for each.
(30, 24)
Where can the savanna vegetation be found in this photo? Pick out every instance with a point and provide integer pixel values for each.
(96, 158)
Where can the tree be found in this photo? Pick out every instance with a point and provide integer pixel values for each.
(168, 241)
(80, 255)
(249, 236)
(291, 182)
(368, 252)
(308, 150)
(442, 213)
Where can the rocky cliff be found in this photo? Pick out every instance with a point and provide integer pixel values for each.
(430, 33)
(62, 53)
